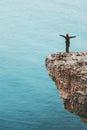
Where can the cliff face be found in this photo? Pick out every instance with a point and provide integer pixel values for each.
(69, 72)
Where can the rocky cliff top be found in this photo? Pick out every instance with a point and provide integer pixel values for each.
(69, 72)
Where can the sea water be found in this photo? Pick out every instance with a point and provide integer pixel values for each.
(29, 31)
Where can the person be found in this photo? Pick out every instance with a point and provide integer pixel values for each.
(67, 41)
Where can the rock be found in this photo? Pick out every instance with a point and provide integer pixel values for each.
(69, 72)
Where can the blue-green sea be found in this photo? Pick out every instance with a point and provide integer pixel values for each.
(29, 31)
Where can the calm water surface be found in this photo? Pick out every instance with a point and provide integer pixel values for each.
(29, 31)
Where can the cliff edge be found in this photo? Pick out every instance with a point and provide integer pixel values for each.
(69, 72)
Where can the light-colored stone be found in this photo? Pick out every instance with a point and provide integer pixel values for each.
(69, 72)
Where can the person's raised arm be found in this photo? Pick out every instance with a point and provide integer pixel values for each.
(72, 37)
(62, 36)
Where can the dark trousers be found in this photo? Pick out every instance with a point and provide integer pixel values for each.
(67, 46)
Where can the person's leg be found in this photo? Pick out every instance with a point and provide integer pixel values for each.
(67, 47)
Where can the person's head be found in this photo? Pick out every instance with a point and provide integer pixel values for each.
(67, 35)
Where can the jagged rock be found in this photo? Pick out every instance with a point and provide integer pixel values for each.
(69, 72)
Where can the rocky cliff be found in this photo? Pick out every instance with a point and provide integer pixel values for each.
(69, 72)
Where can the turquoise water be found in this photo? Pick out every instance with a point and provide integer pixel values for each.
(28, 33)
